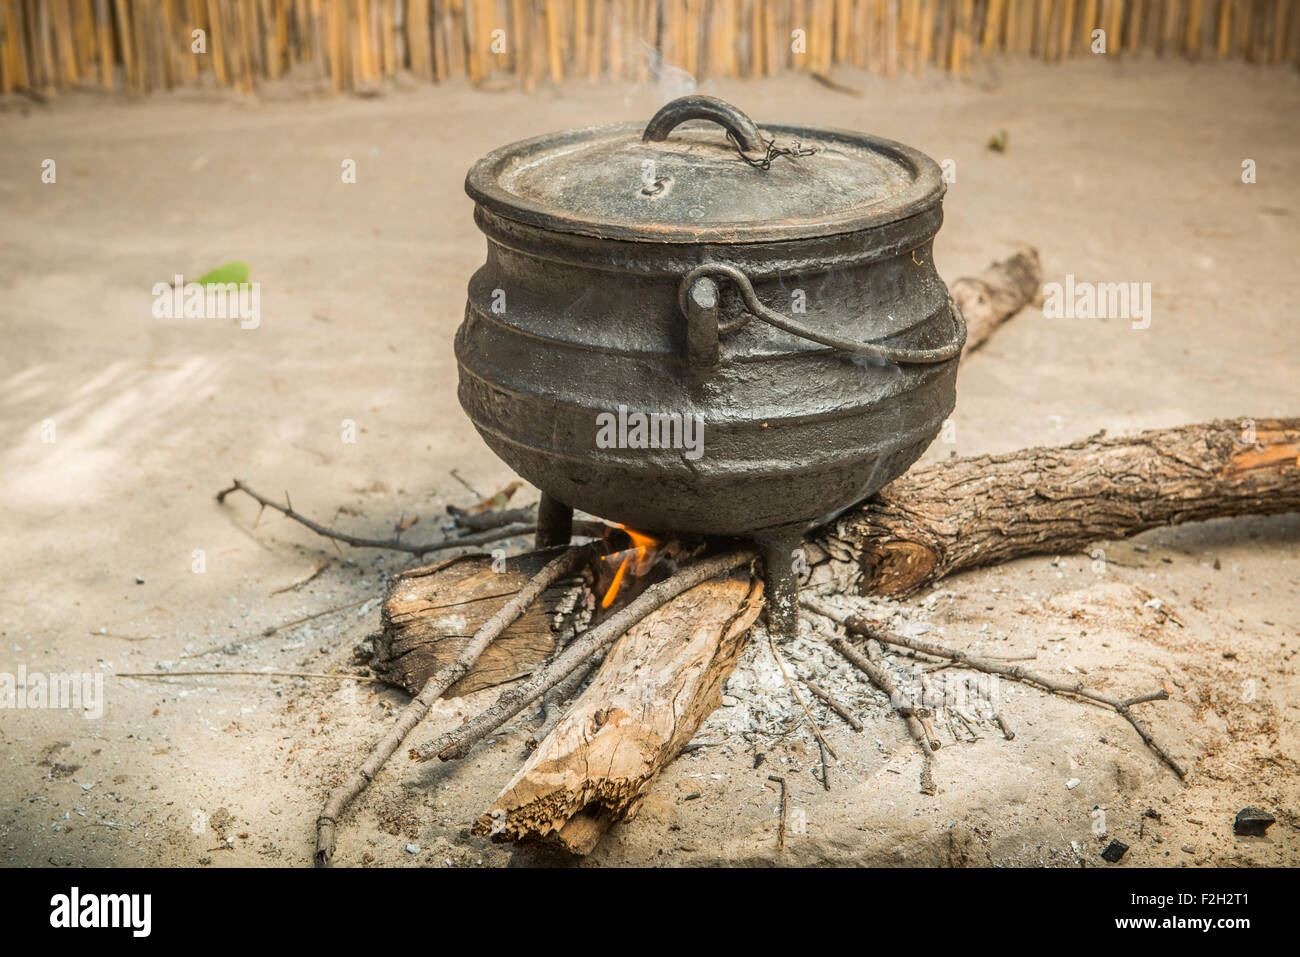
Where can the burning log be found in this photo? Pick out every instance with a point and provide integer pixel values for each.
(431, 611)
(656, 686)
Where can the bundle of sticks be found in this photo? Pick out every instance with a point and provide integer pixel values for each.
(145, 45)
(621, 691)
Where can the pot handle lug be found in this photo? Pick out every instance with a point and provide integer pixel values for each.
(697, 106)
(693, 294)
(700, 304)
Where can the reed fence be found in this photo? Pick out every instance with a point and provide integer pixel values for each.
(349, 45)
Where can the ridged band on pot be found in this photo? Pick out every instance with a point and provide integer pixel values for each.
(589, 305)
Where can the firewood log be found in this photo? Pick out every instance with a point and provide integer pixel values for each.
(431, 612)
(997, 294)
(656, 686)
(968, 512)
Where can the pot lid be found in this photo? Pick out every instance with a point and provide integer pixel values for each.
(670, 184)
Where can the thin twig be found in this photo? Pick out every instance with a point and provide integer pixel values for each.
(1019, 673)
(880, 678)
(1160, 695)
(267, 632)
(477, 494)
(316, 573)
(566, 563)
(948, 665)
(259, 674)
(834, 705)
(458, 742)
(797, 697)
(550, 710)
(947, 720)
(966, 723)
(924, 712)
(931, 734)
(780, 834)
(393, 544)
(482, 521)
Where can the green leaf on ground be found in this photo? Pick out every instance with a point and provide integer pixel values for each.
(235, 272)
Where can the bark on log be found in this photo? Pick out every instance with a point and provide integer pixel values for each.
(997, 294)
(656, 686)
(968, 512)
(431, 612)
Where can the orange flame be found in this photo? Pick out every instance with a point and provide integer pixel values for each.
(641, 559)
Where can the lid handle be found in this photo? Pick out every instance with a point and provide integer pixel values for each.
(697, 106)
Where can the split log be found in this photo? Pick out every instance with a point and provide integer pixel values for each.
(431, 612)
(657, 685)
(997, 294)
(969, 512)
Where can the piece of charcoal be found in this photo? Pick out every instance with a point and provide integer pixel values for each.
(1252, 822)
(1114, 851)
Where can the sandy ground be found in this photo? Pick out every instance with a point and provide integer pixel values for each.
(1127, 172)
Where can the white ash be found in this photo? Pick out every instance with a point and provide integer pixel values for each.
(757, 698)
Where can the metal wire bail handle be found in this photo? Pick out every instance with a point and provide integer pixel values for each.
(697, 296)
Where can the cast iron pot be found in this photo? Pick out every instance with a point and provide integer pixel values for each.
(780, 287)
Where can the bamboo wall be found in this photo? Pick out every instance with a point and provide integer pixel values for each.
(144, 45)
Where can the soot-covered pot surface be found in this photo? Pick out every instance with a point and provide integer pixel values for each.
(708, 329)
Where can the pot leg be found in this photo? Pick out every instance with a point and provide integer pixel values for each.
(554, 523)
(779, 580)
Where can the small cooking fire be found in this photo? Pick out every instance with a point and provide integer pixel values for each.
(635, 561)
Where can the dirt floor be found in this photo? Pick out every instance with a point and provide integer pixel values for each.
(1117, 172)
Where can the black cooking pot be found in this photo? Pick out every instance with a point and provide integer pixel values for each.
(771, 298)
